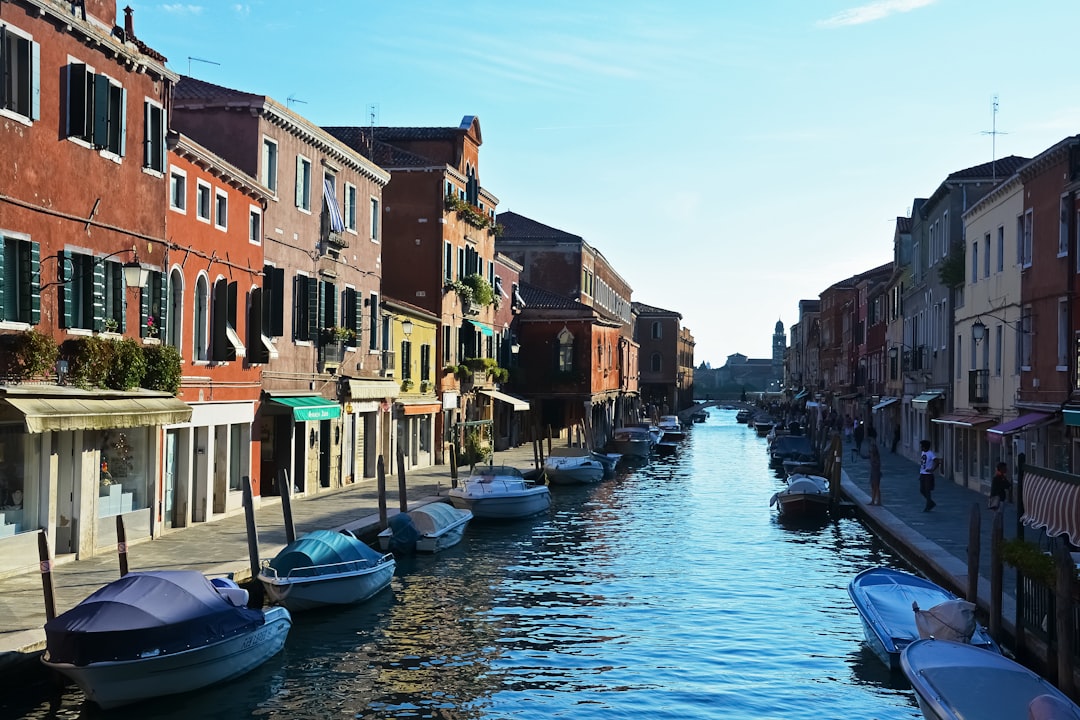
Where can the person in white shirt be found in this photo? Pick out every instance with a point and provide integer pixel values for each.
(928, 465)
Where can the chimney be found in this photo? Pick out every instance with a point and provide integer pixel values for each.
(129, 23)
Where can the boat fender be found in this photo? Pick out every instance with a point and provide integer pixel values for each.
(1048, 707)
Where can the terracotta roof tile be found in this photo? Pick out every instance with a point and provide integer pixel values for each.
(519, 227)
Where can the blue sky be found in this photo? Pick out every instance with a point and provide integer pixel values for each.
(728, 158)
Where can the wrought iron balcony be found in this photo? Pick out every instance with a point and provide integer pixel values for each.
(979, 387)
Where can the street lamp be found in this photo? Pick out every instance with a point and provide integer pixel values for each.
(978, 330)
(406, 327)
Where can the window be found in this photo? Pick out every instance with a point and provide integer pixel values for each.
(374, 219)
(657, 330)
(93, 293)
(657, 362)
(986, 255)
(225, 343)
(328, 315)
(254, 225)
(20, 74)
(351, 313)
(202, 201)
(1000, 248)
(373, 322)
(448, 262)
(174, 314)
(1024, 348)
(269, 164)
(20, 300)
(178, 190)
(221, 210)
(1024, 239)
(975, 262)
(1063, 334)
(303, 183)
(425, 363)
(564, 360)
(201, 319)
(350, 207)
(154, 142)
(95, 111)
(152, 305)
(1064, 211)
(998, 350)
(960, 356)
(448, 356)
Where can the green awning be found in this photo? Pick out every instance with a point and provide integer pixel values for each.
(310, 407)
(1072, 417)
(485, 330)
(56, 414)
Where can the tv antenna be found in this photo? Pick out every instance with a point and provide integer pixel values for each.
(373, 114)
(293, 99)
(190, 58)
(993, 133)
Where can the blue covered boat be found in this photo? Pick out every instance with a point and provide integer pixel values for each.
(892, 604)
(326, 568)
(150, 634)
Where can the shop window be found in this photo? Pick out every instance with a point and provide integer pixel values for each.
(123, 484)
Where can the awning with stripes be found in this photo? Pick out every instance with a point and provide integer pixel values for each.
(337, 224)
(964, 420)
(1051, 501)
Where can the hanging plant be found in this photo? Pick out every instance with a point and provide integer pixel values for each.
(1030, 560)
(27, 355)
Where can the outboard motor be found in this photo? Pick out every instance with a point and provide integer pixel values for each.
(404, 532)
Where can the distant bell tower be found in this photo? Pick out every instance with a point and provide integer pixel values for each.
(779, 344)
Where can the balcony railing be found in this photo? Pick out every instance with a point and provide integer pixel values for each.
(979, 387)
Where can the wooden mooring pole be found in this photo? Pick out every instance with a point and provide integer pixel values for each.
(121, 545)
(380, 478)
(403, 498)
(974, 540)
(453, 465)
(285, 489)
(45, 563)
(997, 574)
(252, 535)
(1066, 577)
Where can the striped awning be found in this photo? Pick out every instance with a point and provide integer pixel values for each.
(336, 222)
(964, 420)
(1052, 502)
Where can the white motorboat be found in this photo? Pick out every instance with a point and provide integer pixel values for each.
(956, 681)
(166, 632)
(805, 497)
(325, 568)
(573, 466)
(672, 428)
(500, 492)
(886, 600)
(428, 528)
(631, 442)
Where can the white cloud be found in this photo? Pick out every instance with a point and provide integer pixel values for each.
(182, 9)
(242, 10)
(873, 11)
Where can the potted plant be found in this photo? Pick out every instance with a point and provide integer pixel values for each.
(425, 386)
(407, 385)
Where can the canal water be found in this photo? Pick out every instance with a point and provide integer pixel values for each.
(671, 591)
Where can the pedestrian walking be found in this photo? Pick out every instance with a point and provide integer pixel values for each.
(875, 475)
(859, 433)
(928, 465)
(895, 437)
(1000, 486)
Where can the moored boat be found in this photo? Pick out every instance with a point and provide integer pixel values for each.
(672, 427)
(631, 442)
(500, 492)
(428, 528)
(956, 681)
(573, 466)
(151, 634)
(325, 568)
(805, 497)
(885, 597)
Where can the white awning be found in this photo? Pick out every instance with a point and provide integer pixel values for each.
(921, 401)
(234, 339)
(518, 403)
(269, 345)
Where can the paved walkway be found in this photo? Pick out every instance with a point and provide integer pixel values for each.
(215, 548)
(936, 541)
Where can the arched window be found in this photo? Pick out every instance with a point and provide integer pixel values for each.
(174, 313)
(564, 361)
(657, 362)
(202, 303)
(657, 330)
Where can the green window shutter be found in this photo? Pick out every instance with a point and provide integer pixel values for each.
(313, 309)
(161, 318)
(66, 291)
(31, 279)
(101, 111)
(219, 309)
(299, 182)
(98, 296)
(35, 81)
(123, 122)
(144, 307)
(119, 295)
(276, 326)
(77, 87)
(358, 320)
(257, 352)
